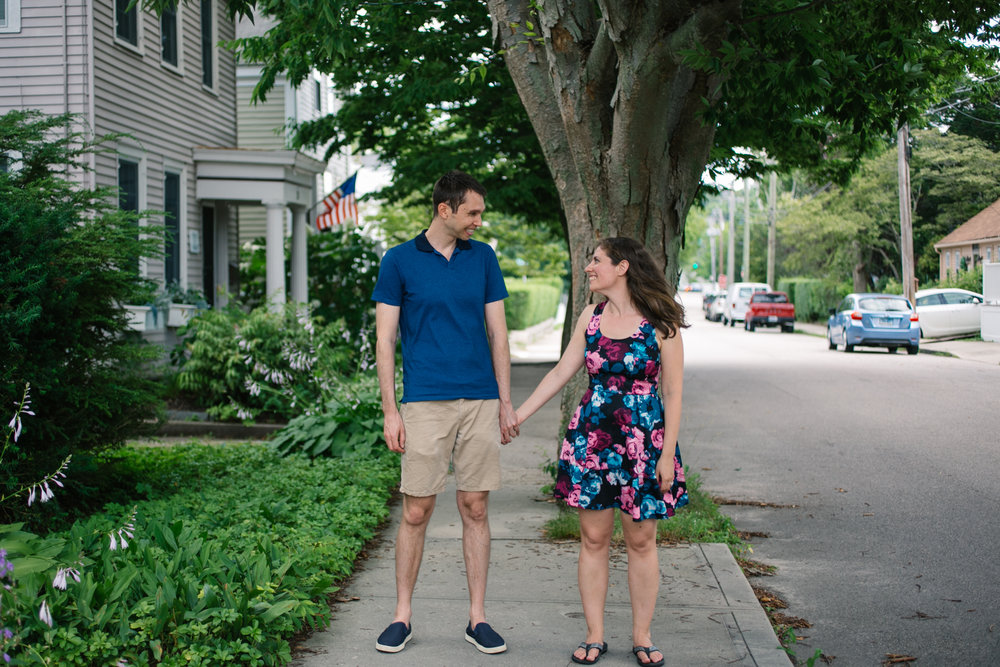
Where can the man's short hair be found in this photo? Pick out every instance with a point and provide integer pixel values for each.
(451, 189)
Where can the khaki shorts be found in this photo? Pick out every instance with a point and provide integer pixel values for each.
(439, 432)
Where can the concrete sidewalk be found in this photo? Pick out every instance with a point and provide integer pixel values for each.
(706, 614)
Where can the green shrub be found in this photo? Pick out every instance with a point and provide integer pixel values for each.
(813, 297)
(531, 301)
(232, 555)
(70, 262)
(349, 425)
(343, 268)
(261, 364)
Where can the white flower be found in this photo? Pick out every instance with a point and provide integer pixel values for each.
(60, 578)
(44, 614)
(114, 542)
(31, 495)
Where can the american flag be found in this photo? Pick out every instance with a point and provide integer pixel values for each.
(339, 206)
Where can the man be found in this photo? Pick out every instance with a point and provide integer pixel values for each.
(444, 293)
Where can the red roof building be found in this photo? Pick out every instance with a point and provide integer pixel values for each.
(972, 243)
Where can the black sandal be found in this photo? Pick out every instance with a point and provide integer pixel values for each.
(648, 650)
(602, 648)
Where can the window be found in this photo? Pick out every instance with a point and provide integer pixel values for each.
(128, 193)
(207, 43)
(168, 36)
(126, 22)
(172, 220)
(319, 95)
(10, 15)
(989, 254)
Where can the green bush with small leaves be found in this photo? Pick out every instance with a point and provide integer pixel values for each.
(234, 551)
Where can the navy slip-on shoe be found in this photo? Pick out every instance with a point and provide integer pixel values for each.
(393, 639)
(485, 638)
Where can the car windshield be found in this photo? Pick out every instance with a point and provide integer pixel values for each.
(884, 304)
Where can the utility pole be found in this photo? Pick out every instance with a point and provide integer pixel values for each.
(731, 255)
(772, 221)
(745, 271)
(905, 220)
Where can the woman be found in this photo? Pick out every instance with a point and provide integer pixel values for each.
(610, 457)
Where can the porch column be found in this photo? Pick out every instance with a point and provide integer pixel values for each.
(275, 254)
(300, 262)
(221, 259)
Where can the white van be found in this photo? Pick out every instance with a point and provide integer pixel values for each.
(737, 299)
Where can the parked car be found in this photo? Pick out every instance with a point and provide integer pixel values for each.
(716, 308)
(770, 309)
(737, 298)
(708, 300)
(873, 320)
(948, 312)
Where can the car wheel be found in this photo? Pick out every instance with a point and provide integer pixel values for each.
(847, 348)
(732, 323)
(829, 340)
(788, 328)
(912, 349)
(892, 350)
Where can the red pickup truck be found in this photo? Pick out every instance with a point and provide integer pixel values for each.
(770, 309)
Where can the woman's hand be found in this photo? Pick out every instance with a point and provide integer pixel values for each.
(665, 471)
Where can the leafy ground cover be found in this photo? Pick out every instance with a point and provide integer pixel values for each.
(699, 521)
(227, 552)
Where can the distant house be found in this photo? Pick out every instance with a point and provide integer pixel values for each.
(167, 84)
(974, 242)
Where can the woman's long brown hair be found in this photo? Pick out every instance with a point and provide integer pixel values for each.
(647, 286)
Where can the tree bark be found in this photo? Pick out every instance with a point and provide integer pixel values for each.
(618, 115)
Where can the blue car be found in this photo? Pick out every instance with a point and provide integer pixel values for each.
(874, 320)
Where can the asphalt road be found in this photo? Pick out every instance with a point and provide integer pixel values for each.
(885, 470)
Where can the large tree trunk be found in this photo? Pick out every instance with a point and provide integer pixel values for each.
(618, 115)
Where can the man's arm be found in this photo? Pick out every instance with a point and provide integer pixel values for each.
(386, 326)
(496, 330)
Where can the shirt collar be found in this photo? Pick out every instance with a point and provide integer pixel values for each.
(424, 245)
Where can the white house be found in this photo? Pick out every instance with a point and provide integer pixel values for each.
(168, 84)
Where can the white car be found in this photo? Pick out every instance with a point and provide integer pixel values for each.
(737, 298)
(948, 312)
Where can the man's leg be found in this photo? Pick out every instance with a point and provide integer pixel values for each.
(472, 505)
(410, 551)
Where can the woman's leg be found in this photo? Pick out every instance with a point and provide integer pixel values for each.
(592, 571)
(643, 578)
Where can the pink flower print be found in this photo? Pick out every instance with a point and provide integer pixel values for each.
(566, 453)
(615, 350)
(657, 438)
(678, 471)
(593, 325)
(627, 499)
(651, 369)
(642, 387)
(592, 462)
(594, 362)
(573, 499)
(623, 417)
(575, 419)
(598, 441)
(615, 383)
(633, 448)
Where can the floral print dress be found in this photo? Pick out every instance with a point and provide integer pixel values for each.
(615, 438)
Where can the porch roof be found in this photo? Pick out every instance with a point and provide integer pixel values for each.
(234, 174)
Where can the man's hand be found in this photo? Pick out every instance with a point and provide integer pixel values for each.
(395, 433)
(508, 422)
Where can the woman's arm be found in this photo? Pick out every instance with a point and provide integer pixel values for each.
(569, 364)
(671, 389)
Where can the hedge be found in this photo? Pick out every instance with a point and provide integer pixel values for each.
(813, 297)
(531, 301)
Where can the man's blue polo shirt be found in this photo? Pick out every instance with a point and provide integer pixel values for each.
(446, 352)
